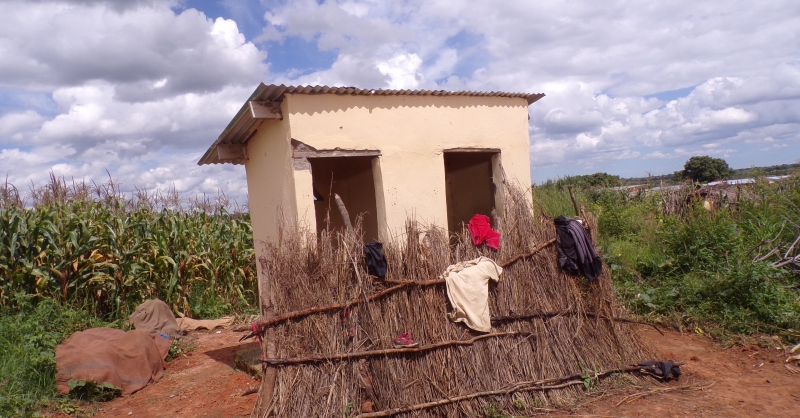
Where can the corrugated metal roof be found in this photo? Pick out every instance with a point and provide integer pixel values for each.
(243, 124)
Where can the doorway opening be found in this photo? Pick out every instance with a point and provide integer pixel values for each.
(469, 185)
(353, 180)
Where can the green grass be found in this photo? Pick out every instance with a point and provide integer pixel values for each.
(85, 255)
(698, 268)
(28, 337)
(68, 264)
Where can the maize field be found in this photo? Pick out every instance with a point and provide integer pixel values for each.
(90, 246)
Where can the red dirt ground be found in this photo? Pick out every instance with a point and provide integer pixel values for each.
(203, 383)
(744, 381)
(738, 382)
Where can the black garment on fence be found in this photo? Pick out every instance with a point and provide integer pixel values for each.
(376, 261)
(664, 369)
(575, 251)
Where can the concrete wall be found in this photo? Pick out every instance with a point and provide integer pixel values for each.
(411, 132)
(271, 182)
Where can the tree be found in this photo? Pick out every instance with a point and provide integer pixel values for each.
(705, 169)
(587, 181)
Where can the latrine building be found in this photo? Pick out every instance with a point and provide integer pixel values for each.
(439, 156)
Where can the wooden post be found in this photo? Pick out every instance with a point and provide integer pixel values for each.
(574, 204)
(267, 392)
(345, 215)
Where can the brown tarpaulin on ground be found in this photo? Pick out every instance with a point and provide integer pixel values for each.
(127, 360)
(154, 317)
(189, 324)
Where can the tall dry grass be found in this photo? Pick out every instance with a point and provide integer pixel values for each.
(307, 271)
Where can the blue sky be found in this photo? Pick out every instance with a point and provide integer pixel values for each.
(141, 87)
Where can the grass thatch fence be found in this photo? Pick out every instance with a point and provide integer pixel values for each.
(549, 330)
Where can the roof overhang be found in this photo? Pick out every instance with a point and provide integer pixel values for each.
(264, 104)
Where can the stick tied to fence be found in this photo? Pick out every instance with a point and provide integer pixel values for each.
(388, 351)
(535, 385)
(398, 286)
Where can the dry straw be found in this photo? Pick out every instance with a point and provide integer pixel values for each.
(548, 325)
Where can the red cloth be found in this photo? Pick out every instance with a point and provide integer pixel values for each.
(481, 231)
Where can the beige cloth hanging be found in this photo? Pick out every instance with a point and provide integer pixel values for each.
(468, 291)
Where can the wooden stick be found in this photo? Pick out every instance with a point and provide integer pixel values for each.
(574, 205)
(791, 247)
(521, 256)
(344, 213)
(536, 385)
(422, 283)
(570, 313)
(399, 285)
(635, 396)
(267, 312)
(388, 351)
(322, 309)
(310, 311)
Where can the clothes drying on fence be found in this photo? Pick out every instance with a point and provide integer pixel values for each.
(468, 291)
(480, 230)
(575, 251)
(155, 317)
(376, 260)
(127, 360)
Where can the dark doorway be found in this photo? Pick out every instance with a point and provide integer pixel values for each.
(352, 179)
(469, 186)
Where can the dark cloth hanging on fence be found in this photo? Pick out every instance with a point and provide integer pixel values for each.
(481, 231)
(376, 260)
(664, 369)
(575, 251)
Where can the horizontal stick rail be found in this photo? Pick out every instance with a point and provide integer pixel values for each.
(387, 351)
(399, 286)
(528, 386)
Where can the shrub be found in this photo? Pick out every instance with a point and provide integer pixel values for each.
(28, 337)
(696, 264)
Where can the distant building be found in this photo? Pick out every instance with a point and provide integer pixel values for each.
(390, 154)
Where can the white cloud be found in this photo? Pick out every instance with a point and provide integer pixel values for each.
(403, 71)
(137, 89)
(54, 44)
(90, 115)
(144, 88)
(595, 61)
(16, 124)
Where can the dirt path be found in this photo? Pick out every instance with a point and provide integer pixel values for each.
(204, 383)
(745, 382)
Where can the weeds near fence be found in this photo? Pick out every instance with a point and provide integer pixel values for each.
(704, 259)
(28, 336)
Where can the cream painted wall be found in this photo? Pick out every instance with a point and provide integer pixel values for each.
(305, 199)
(271, 182)
(411, 132)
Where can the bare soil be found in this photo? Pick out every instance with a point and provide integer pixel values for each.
(742, 381)
(199, 383)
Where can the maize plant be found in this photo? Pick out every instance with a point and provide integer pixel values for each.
(111, 257)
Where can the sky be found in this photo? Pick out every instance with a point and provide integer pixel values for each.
(139, 89)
